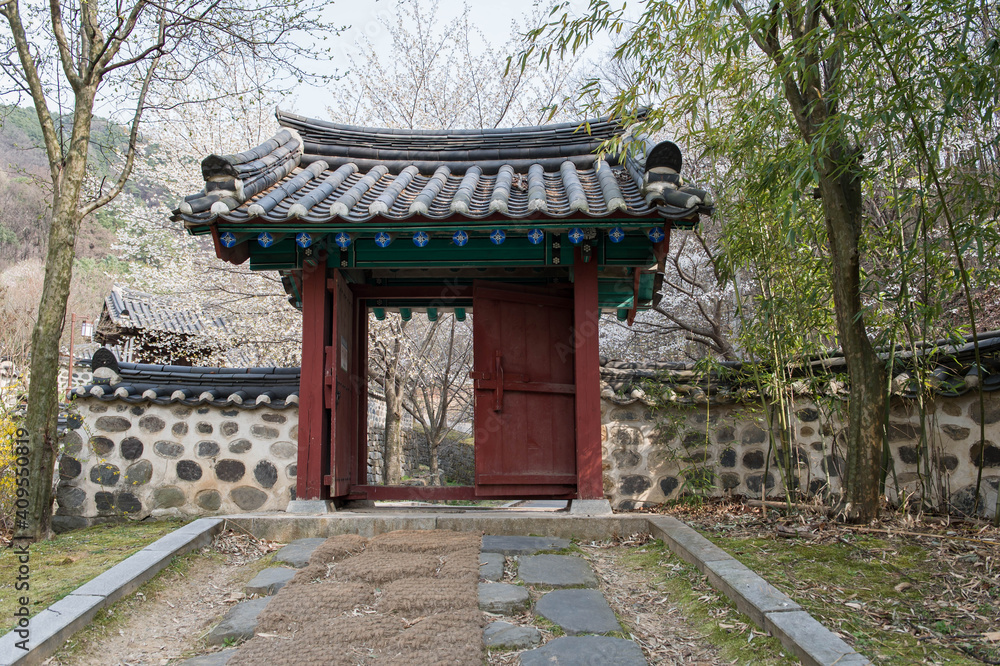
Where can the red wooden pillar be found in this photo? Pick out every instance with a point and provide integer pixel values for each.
(314, 417)
(590, 482)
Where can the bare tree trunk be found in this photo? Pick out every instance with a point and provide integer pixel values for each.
(841, 193)
(435, 444)
(43, 389)
(393, 457)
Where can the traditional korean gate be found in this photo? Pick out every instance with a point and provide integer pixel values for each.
(523, 367)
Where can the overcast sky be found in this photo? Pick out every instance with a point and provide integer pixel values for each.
(493, 17)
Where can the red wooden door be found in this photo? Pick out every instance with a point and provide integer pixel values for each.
(525, 428)
(343, 408)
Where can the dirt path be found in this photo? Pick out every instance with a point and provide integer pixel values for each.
(157, 625)
(655, 623)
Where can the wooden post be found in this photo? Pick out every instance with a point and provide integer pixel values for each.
(314, 417)
(590, 481)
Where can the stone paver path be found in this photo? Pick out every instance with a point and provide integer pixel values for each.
(582, 613)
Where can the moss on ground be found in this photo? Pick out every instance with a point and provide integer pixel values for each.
(69, 560)
(867, 588)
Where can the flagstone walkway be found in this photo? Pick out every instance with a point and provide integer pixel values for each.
(585, 628)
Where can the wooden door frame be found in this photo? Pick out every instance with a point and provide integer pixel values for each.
(316, 441)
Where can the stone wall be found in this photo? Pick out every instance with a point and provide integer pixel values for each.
(138, 460)
(146, 459)
(651, 456)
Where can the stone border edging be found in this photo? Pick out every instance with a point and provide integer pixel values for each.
(769, 608)
(50, 628)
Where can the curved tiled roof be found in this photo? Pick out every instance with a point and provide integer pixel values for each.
(954, 373)
(321, 173)
(133, 309)
(247, 388)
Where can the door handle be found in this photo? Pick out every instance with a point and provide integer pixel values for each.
(498, 391)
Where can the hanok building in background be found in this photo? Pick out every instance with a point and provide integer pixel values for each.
(530, 229)
(162, 330)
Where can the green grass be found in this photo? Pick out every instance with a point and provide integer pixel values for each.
(62, 564)
(824, 577)
(708, 611)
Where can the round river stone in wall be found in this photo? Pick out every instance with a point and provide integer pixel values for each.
(668, 484)
(188, 470)
(210, 500)
(204, 428)
(807, 414)
(131, 448)
(263, 431)
(292, 470)
(626, 459)
(139, 474)
(180, 411)
(137, 410)
(105, 474)
(724, 434)
(730, 480)
(168, 449)
(151, 424)
(753, 459)
(754, 481)
(129, 503)
(207, 449)
(98, 409)
(230, 470)
(284, 450)
(266, 474)
(73, 444)
(69, 467)
(180, 428)
(728, 458)
(294, 432)
(754, 435)
(248, 498)
(992, 404)
(990, 457)
(70, 498)
(955, 432)
(240, 446)
(113, 423)
(102, 446)
(104, 501)
(230, 428)
(948, 463)
(271, 417)
(167, 497)
(634, 484)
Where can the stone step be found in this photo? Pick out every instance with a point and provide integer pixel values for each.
(556, 571)
(578, 611)
(574, 650)
(502, 598)
(269, 581)
(510, 636)
(297, 553)
(521, 545)
(239, 623)
(491, 566)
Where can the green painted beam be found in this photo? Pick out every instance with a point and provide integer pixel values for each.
(622, 314)
(379, 313)
(432, 314)
(460, 314)
(406, 314)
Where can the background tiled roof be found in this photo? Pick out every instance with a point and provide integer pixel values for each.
(129, 309)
